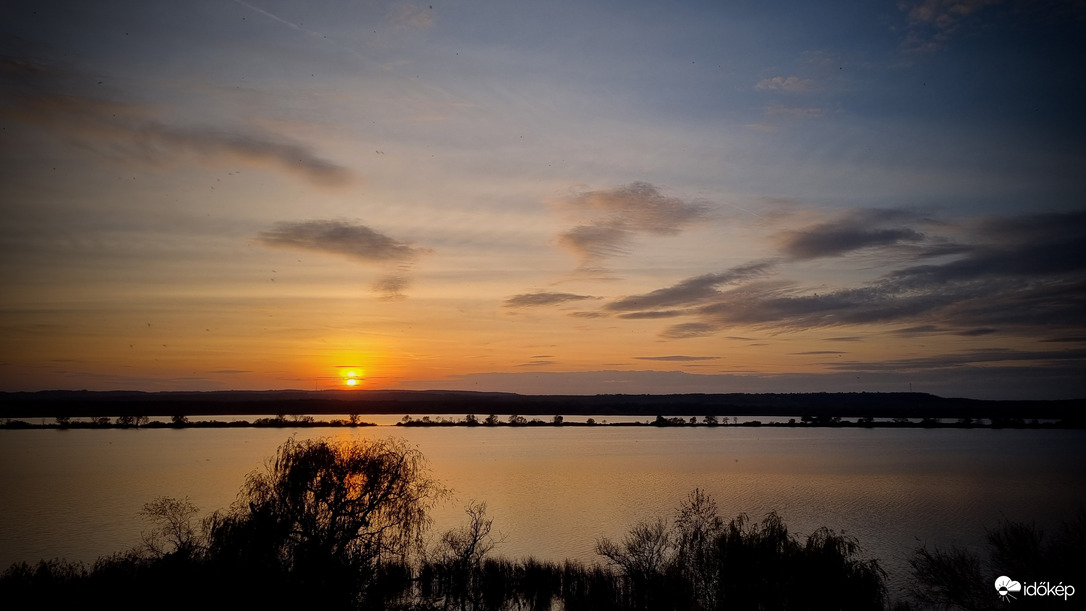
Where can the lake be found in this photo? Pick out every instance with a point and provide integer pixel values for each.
(553, 491)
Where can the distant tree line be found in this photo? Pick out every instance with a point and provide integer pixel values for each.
(182, 421)
(353, 420)
(342, 524)
(86, 404)
(472, 420)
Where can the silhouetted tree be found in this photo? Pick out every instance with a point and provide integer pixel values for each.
(642, 556)
(126, 421)
(173, 530)
(329, 515)
(697, 528)
(830, 576)
(460, 556)
(949, 579)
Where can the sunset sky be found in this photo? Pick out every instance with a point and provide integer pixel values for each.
(544, 197)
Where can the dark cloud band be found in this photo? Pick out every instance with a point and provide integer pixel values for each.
(357, 242)
(529, 300)
(615, 216)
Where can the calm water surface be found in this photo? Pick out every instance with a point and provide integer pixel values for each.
(553, 491)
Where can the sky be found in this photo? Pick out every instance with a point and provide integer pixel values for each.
(560, 197)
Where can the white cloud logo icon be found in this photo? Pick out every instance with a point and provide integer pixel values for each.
(1005, 585)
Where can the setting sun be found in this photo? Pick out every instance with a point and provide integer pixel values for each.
(352, 377)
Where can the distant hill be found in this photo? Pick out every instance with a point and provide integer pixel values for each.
(49, 404)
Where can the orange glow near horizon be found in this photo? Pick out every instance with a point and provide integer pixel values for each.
(352, 377)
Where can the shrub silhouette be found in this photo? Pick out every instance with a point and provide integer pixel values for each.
(701, 564)
(957, 578)
(173, 531)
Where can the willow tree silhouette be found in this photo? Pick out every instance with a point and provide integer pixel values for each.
(325, 523)
(328, 518)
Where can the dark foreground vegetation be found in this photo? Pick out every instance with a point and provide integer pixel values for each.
(342, 525)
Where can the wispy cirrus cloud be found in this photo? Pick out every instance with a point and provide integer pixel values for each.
(933, 22)
(392, 286)
(154, 140)
(789, 84)
(593, 242)
(531, 300)
(690, 291)
(1072, 339)
(977, 332)
(853, 231)
(677, 358)
(652, 314)
(943, 13)
(53, 98)
(920, 330)
(968, 358)
(798, 112)
(1016, 248)
(537, 363)
(690, 329)
(611, 218)
(411, 15)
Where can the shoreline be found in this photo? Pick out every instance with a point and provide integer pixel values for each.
(103, 423)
